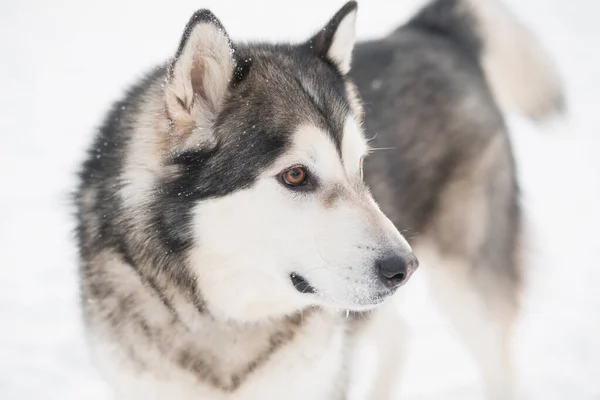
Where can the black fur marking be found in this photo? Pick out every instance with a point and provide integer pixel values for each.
(205, 175)
(241, 70)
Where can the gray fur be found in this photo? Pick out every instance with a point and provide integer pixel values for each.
(448, 178)
(428, 106)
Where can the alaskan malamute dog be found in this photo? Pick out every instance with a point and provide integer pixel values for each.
(230, 247)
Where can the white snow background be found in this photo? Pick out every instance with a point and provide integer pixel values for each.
(63, 63)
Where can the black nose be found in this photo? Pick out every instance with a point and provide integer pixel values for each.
(395, 270)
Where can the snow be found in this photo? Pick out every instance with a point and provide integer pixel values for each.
(64, 62)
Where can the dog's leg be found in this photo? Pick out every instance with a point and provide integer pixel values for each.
(387, 333)
(471, 254)
(484, 323)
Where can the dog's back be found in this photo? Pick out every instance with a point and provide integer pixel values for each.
(442, 167)
(431, 91)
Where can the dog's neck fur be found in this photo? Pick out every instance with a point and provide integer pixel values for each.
(218, 354)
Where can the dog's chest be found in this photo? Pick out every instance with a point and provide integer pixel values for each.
(306, 365)
(310, 367)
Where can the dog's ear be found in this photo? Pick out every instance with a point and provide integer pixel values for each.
(197, 80)
(335, 41)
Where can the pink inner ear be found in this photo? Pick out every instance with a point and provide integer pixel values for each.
(197, 77)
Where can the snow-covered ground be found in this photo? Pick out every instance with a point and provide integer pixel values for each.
(63, 62)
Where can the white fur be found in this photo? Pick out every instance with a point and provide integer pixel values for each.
(315, 357)
(250, 241)
(206, 58)
(342, 45)
(484, 327)
(143, 164)
(386, 335)
(354, 147)
(208, 45)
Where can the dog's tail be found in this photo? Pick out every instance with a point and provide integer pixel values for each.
(518, 70)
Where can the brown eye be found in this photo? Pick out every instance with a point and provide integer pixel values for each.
(295, 176)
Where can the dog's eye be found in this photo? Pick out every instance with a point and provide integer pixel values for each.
(295, 176)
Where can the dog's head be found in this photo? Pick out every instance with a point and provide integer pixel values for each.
(267, 148)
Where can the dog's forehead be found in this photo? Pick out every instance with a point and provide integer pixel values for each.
(287, 87)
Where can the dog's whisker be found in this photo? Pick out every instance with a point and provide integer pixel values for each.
(381, 148)
(372, 138)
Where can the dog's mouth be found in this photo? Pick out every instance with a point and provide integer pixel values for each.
(377, 299)
(301, 284)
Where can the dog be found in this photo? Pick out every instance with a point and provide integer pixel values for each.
(232, 246)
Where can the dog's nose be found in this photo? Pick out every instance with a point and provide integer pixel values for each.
(395, 270)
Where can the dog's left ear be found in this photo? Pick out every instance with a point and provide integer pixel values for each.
(335, 41)
(198, 79)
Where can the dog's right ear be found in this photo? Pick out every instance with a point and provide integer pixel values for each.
(335, 41)
(197, 81)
